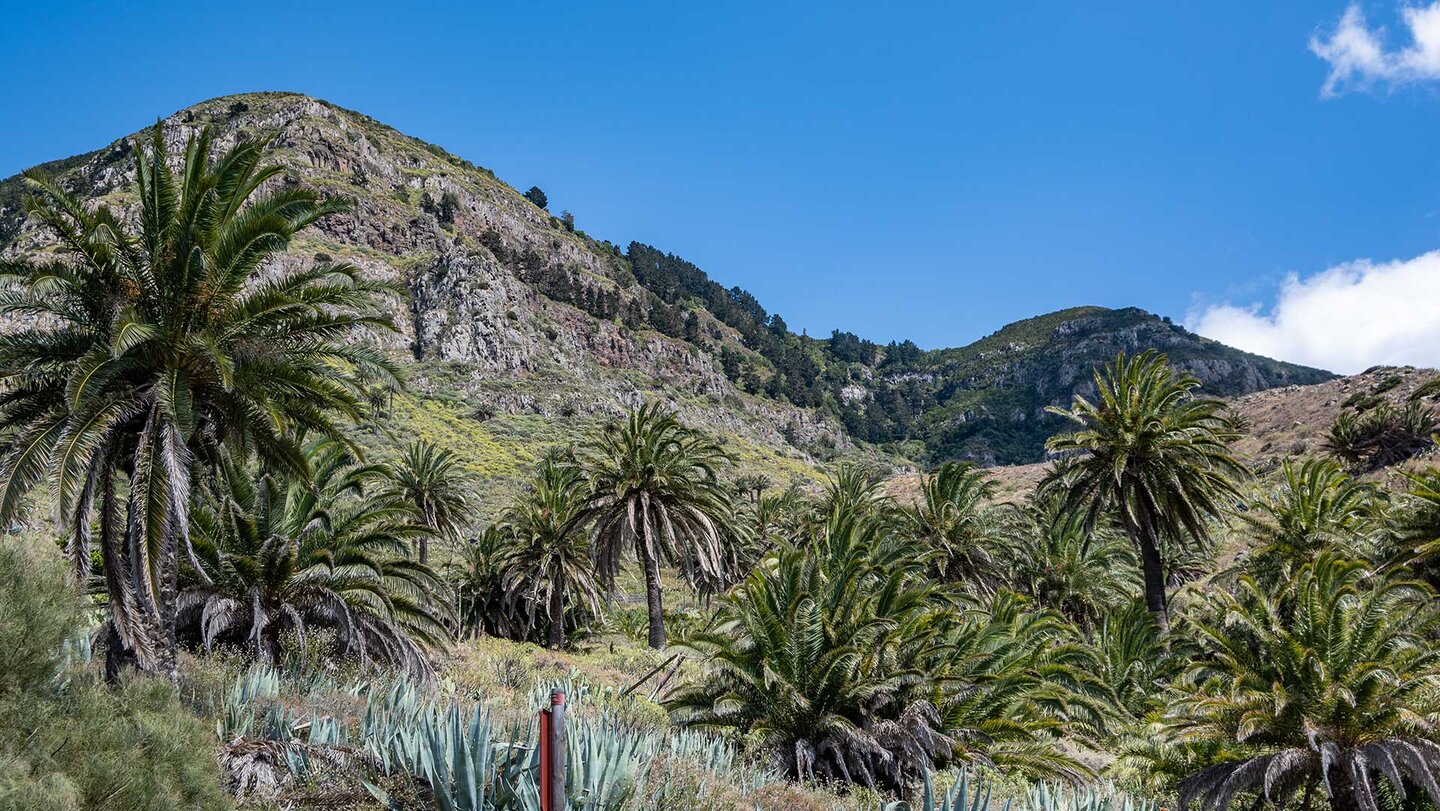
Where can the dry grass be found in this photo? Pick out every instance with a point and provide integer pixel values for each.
(1281, 424)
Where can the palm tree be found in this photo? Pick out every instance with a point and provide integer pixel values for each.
(433, 483)
(954, 518)
(847, 663)
(1316, 506)
(655, 491)
(548, 562)
(477, 578)
(1416, 519)
(798, 663)
(854, 490)
(1384, 435)
(284, 556)
(753, 485)
(1136, 662)
(1012, 681)
(1153, 455)
(145, 354)
(1083, 573)
(1327, 684)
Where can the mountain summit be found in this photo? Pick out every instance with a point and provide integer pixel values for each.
(520, 328)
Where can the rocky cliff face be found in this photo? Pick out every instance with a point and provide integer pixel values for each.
(989, 398)
(501, 293)
(512, 314)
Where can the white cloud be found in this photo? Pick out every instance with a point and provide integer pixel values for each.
(1346, 319)
(1358, 57)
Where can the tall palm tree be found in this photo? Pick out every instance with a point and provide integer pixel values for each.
(147, 353)
(655, 492)
(1316, 506)
(433, 483)
(954, 517)
(285, 556)
(1326, 685)
(548, 564)
(1150, 454)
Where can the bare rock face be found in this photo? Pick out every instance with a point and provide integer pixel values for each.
(504, 303)
(495, 285)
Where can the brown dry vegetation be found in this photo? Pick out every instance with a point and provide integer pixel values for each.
(1280, 424)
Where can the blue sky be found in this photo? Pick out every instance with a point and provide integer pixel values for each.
(921, 170)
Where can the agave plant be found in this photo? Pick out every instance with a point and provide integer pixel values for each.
(1330, 684)
(962, 795)
(1062, 797)
(282, 557)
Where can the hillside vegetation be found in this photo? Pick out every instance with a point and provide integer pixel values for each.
(291, 525)
(516, 307)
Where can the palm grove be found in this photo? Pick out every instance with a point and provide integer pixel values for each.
(186, 407)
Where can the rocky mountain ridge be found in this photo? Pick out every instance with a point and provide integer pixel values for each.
(515, 317)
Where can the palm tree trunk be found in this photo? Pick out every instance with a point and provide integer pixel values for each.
(1152, 566)
(556, 638)
(1153, 570)
(1342, 789)
(118, 655)
(428, 515)
(652, 598)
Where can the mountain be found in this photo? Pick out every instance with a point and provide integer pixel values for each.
(521, 330)
(1281, 424)
(987, 401)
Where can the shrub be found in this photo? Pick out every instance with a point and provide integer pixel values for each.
(536, 196)
(1382, 436)
(1431, 389)
(70, 743)
(449, 204)
(37, 615)
(1387, 384)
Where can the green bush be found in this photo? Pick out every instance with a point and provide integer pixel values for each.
(37, 615)
(71, 743)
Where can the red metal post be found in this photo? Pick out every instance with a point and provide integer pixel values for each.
(552, 753)
(545, 765)
(557, 751)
